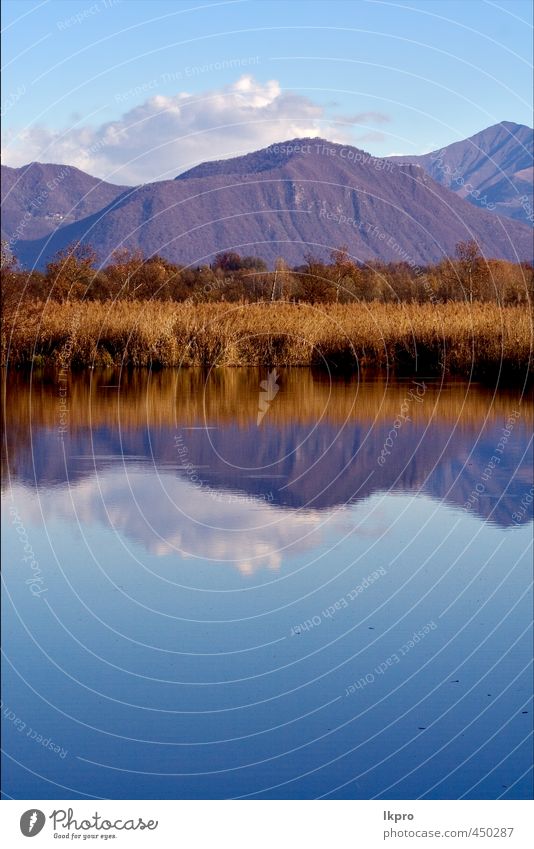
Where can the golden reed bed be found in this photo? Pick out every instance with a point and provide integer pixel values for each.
(452, 337)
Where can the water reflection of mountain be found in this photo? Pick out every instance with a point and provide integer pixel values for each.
(318, 446)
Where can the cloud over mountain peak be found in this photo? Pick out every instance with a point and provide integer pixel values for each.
(164, 135)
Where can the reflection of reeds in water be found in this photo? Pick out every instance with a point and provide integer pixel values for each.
(454, 336)
(133, 399)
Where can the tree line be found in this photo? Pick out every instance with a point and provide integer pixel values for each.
(75, 274)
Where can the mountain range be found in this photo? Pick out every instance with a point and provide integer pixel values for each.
(298, 197)
(492, 170)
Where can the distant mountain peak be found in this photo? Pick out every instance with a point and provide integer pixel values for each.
(268, 158)
(491, 169)
(511, 125)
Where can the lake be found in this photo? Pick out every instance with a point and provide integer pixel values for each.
(254, 584)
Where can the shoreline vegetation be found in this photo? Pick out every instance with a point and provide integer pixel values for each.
(467, 317)
(456, 339)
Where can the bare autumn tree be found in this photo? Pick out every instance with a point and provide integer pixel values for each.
(282, 283)
(10, 290)
(71, 272)
(469, 267)
(227, 261)
(314, 280)
(123, 273)
(343, 268)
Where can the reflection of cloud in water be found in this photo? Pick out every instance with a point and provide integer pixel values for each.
(166, 515)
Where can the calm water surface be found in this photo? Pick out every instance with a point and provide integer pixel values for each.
(310, 588)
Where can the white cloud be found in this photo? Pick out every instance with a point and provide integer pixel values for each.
(163, 136)
(367, 118)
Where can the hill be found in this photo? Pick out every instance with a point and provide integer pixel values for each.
(37, 199)
(301, 196)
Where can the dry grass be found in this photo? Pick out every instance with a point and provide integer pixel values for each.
(458, 338)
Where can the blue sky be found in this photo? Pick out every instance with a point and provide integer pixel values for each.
(135, 90)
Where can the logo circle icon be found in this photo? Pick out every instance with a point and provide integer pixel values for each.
(32, 822)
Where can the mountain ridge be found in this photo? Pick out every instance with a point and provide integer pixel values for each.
(52, 194)
(300, 196)
(491, 169)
